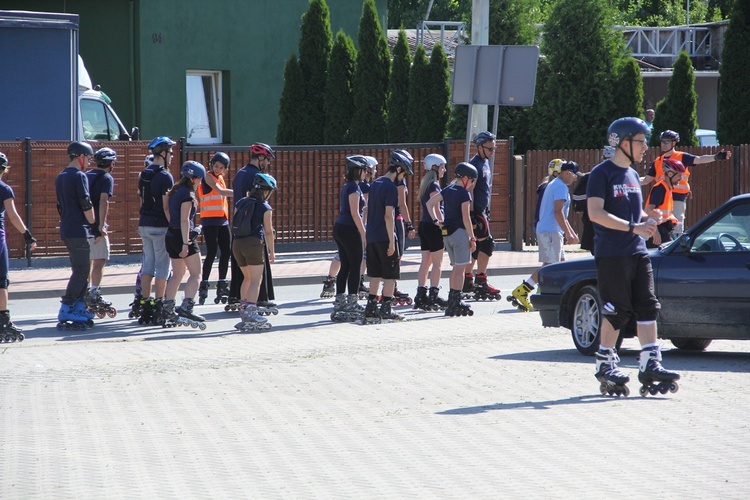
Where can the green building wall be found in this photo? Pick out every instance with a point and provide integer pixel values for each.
(140, 50)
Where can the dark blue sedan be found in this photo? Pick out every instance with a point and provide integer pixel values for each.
(702, 280)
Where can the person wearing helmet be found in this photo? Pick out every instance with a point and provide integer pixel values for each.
(485, 143)
(382, 245)
(660, 198)
(552, 230)
(404, 225)
(623, 268)
(252, 248)
(349, 235)
(430, 237)
(101, 187)
(260, 162)
(153, 184)
(214, 213)
(667, 142)
(181, 242)
(76, 227)
(553, 170)
(8, 331)
(457, 231)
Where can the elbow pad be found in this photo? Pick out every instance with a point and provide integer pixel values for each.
(86, 203)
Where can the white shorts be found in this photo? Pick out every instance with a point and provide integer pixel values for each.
(100, 250)
(550, 247)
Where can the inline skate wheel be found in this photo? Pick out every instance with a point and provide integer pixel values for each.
(202, 326)
(663, 388)
(100, 314)
(217, 300)
(223, 300)
(673, 387)
(227, 308)
(111, 312)
(89, 323)
(471, 313)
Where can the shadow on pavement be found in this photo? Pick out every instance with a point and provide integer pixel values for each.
(537, 405)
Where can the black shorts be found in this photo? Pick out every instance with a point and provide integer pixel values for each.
(626, 288)
(173, 243)
(430, 237)
(379, 265)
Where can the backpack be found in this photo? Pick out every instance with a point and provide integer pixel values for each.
(242, 221)
(144, 189)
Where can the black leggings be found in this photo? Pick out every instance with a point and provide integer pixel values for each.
(349, 241)
(216, 238)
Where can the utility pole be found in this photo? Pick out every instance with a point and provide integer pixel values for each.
(480, 35)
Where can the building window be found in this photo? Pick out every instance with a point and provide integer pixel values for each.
(203, 107)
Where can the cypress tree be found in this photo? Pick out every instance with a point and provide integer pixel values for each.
(314, 52)
(438, 113)
(629, 95)
(398, 98)
(583, 51)
(339, 99)
(370, 80)
(419, 97)
(734, 92)
(290, 104)
(678, 110)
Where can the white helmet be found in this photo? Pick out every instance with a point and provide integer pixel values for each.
(433, 161)
(373, 162)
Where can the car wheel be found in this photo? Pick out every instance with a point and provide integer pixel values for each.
(587, 320)
(691, 344)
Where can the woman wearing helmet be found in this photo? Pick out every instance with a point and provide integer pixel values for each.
(182, 245)
(250, 249)
(349, 235)
(458, 233)
(404, 225)
(8, 331)
(660, 198)
(624, 274)
(430, 237)
(214, 213)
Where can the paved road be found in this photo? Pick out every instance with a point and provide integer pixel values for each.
(486, 406)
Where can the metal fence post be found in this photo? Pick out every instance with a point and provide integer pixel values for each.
(27, 201)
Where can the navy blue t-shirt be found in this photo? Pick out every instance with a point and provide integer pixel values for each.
(100, 182)
(620, 189)
(6, 192)
(364, 187)
(453, 197)
(432, 188)
(383, 193)
(243, 181)
(261, 207)
(72, 187)
(161, 182)
(482, 187)
(345, 214)
(179, 196)
(397, 212)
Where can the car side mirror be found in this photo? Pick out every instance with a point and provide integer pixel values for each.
(135, 133)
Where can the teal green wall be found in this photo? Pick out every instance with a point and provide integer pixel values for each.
(249, 40)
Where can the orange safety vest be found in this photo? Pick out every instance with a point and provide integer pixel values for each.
(213, 204)
(667, 206)
(683, 186)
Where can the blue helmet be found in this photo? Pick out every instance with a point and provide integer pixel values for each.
(159, 144)
(401, 158)
(622, 128)
(483, 137)
(193, 170)
(105, 157)
(264, 181)
(77, 148)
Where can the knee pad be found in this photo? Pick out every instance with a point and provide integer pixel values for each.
(485, 246)
(481, 229)
(4, 283)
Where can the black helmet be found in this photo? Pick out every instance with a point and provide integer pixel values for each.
(483, 137)
(3, 161)
(357, 161)
(222, 158)
(76, 149)
(401, 158)
(105, 157)
(623, 128)
(671, 135)
(465, 169)
(264, 181)
(160, 144)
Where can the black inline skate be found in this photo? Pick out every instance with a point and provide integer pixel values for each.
(203, 291)
(267, 307)
(611, 380)
(438, 303)
(187, 317)
(233, 304)
(653, 377)
(68, 318)
(222, 292)
(135, 307)
(346, 309)
(251, 320)
(148, 314)
(456, 307)
(96, 305)
(467, 291)
(8, 331)
(483, 290)
(329, 287)
(364, 290)
(421, 300)
(401, 298)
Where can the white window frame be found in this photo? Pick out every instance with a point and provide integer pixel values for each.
(202, 131)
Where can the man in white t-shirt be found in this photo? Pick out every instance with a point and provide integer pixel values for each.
(552, 230)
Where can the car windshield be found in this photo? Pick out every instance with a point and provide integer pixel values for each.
(730, 233)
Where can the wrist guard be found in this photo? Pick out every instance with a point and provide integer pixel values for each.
(28, 238)
(721, 155)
